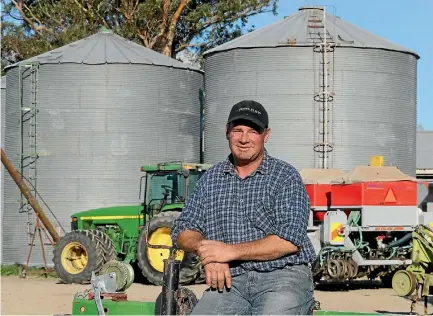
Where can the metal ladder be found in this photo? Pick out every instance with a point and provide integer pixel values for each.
(320, 37)
(28, 74)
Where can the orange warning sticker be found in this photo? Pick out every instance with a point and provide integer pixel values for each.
(390, 197)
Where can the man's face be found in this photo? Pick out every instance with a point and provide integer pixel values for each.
(246, 140)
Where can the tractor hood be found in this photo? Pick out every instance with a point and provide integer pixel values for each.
(127, 210)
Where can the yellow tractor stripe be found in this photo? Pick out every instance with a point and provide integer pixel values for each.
(111, 217)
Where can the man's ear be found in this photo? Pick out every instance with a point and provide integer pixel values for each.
(227, 131)
(268, 133)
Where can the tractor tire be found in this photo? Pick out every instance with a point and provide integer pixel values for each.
(85, 244)
(185, 304)
(108, 249)
(152, 267)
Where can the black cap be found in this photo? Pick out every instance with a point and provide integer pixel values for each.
(251, 111)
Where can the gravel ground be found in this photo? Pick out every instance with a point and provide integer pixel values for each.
(43, 296)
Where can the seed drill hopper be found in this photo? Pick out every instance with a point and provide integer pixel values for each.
(361, 221)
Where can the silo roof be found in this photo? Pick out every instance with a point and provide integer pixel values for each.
(296, 30)
(105, 47)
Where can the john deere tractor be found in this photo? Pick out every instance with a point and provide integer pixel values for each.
(115, 238)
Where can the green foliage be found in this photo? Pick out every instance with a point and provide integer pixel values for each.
(31, 27)
(7, 270)
(15, 270)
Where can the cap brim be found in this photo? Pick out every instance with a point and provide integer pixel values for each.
(247, 118)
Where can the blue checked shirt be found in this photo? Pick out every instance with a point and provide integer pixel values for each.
(271, 200)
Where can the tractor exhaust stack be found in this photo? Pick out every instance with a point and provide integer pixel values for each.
(30, 198)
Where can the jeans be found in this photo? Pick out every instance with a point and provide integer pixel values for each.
(287, 291)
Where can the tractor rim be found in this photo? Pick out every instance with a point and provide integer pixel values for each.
(404, 283)
(74, 258)
(160, 237)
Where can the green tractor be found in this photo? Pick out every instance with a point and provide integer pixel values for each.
(103, 237)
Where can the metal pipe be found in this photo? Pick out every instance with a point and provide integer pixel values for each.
(384, 262)
(325, 110)
(400, 241)
(170, 286)
(30, 198)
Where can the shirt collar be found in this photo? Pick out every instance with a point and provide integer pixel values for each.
(262, 168)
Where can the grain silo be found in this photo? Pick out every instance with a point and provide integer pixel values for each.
(92, 113)
(333, 100)
(3, 106)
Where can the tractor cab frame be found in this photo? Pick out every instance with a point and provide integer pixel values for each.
(166, 186)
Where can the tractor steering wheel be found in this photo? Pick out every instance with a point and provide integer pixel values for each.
(167, 188)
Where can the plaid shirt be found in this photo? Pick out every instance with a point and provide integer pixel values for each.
(271, 200)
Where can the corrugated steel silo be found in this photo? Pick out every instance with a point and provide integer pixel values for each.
(370, 86)
(3, 107)
(104, 106)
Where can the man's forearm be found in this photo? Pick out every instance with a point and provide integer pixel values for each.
(269, 248)
(189, 241)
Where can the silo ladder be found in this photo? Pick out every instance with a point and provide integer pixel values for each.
(320, 36)
(28, 104)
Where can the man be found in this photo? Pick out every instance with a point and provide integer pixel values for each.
(247, 221)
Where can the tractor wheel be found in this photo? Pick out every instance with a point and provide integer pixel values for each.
(77, 255)
(186, 302)
(108, 250)
(150, 260)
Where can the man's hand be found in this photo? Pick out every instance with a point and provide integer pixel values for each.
(218, 274)
(215, 251)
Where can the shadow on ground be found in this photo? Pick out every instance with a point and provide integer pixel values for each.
(337, 286)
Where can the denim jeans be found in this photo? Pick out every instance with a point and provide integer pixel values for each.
(287, 291)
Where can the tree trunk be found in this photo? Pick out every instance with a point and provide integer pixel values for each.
(167, 49)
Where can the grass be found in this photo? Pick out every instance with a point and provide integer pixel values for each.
(7, 270)
(15, 270)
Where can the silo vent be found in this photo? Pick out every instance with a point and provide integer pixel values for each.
(310, 8)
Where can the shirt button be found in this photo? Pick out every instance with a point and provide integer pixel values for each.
(242, 200)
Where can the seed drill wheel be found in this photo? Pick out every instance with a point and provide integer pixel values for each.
(150, 260)
(404, 283)
(76, 255)
(124, 273)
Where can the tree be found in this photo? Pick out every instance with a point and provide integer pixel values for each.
(31, 27)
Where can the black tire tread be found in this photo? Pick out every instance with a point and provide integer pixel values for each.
(95, 256)
(190, 266)
(108, 249)
(189, 301)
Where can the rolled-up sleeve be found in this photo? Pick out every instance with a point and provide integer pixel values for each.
(292, 210)
(191, 217)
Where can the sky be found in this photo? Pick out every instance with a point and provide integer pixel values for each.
(404, 22)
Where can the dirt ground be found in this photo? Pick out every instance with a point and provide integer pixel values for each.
(43, 296)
